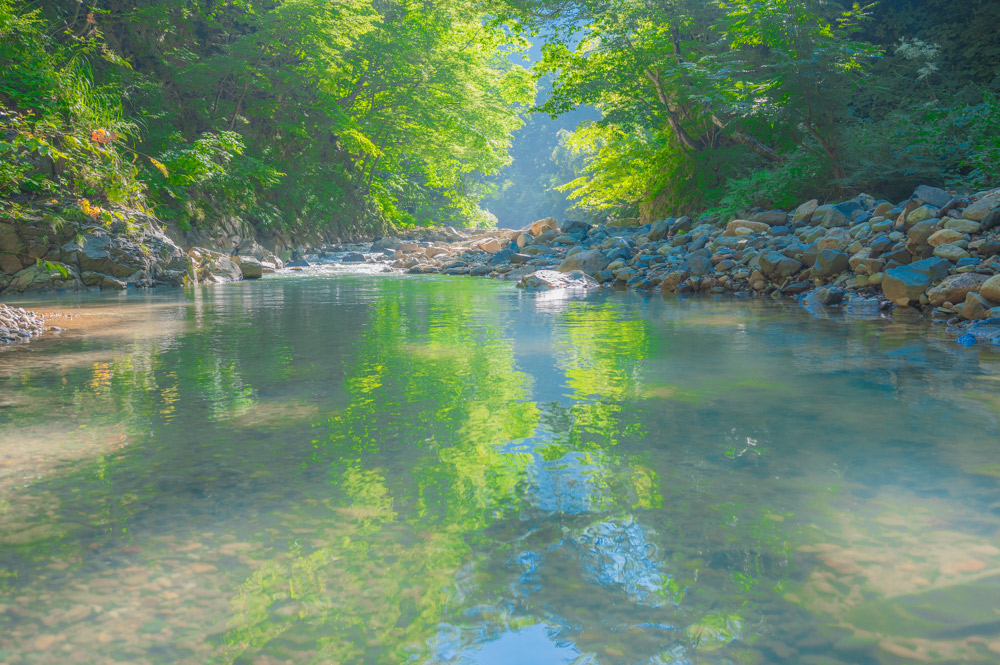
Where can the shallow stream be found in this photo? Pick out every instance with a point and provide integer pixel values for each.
(344, 468)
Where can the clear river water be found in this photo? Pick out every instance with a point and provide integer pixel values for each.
(345, 468)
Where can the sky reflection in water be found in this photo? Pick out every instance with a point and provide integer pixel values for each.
(369, 469)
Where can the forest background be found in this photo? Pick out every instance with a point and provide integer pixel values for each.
(360, 116)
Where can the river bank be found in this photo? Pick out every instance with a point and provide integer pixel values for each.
(937, 254)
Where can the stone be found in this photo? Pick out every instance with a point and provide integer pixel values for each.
(682, 225)
(770, 217)
(975, 307)
(935, 268)
(805, 211)
(954, 288)
(921, 214)
(979, 210)
(991, 221)
(751, 227)
(542, 225)
(829, 296)
(353, 257)
(523, 240)
(777, 266)
(991, 289)
(830, 262)
(698, 265)
(659, 229)
(904, 286)
(10, 264)
(935, 196)
(921, 232)
(837, 238)
(951, 252)
(829, 216)
(518, 259)
(989, 248)
(218, 269)
(500, 258)
(250, 267)
(545, 280)
(492, 245)
(46, 276)
(672, 280)
(963, 225)
(943, 237)
(590, 261)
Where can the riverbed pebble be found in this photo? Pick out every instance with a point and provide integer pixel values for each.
(19, 325)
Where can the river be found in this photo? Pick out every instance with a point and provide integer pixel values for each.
(347, 468)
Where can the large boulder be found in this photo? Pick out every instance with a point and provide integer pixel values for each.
(805, 211)
(778, 267)
(771, 217)
(904, 286)
(590, 261)
(659, 229)
(544, 280)
(935, 196)
(954, 288)
(698, 265)
(830, 263)
(753, 227)
(541, 226)
(250, 267)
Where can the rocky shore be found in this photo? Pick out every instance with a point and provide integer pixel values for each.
(45, 253)
(937, 252)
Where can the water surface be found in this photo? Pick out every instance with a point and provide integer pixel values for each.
(344, 468)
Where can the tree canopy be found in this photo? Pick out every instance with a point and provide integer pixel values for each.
(354, 116)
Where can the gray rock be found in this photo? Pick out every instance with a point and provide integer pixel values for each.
(921, 232)
(991, 221)
(250, 267)
(982, 208)
(830, 262)
(544, 280)
(771, 217)
(935, 268)
(777, 266)
(904, 285)
(829, 296)
(698, 265)
(935, 196)
(590, 261)
(659, 229)
(950, 252)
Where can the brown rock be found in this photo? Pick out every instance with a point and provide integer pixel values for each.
(976, 307)
(954, 288)
(543, 225)
(756, 227)
(991, 289)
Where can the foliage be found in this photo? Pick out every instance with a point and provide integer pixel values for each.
(62, 134)
(727, 105)
(300, 114)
